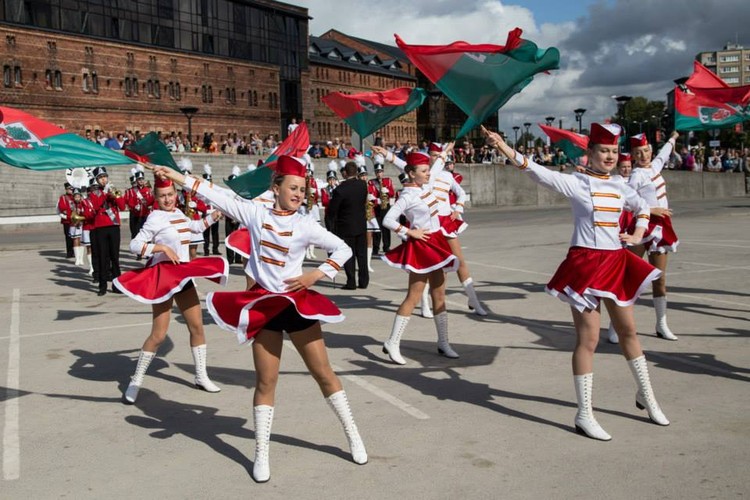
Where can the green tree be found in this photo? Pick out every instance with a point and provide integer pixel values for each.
(640, 114)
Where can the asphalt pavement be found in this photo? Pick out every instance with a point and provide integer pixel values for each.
(496, 423)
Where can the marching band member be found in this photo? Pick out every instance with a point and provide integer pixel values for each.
(281, 299)
(127, 196)
(167, 278)
(382, 188)
(77, 213)
(660, 238)
(140, 202)
(373, 227)
(424, 253)
(312, 196)
(63, 208)
(105, 237)
(210, 235)
(88, 225)
(597, 267)
(327, 192)
(231, 225)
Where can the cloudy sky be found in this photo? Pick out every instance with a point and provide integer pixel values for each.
(608, 47)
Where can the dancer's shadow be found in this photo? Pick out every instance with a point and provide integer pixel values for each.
(690, 363)
(203, 423)
(117, 366)
(701, 308)
(6, 394)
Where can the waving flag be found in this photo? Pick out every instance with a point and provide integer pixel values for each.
(367, 112)
(707, 102)
(480, 79)
(254, 182)
(149, 149)
(296, 144)
(28, 142)
(251, 184)
(574, 145)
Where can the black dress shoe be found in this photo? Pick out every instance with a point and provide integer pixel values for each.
(101, 292)
(215, 252)
(348, 287)
(363, 287)
(116, 290)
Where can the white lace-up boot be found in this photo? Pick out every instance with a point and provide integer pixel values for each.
(201, 375)
(340, 406)
(391, 347)
(585, 422)
(644, 398)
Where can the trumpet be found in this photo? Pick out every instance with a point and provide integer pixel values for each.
(116, 192)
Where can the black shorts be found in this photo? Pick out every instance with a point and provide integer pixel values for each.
(188, 286)
(289, 321)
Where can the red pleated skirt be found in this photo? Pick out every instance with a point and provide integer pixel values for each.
(246, 313)
(660, 236)
(158, 283)
(422, 257)
(239, 242)
(588, 274)
(451, 228)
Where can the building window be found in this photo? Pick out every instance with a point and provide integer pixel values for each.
(85, 82)
(207, 93)
(178, 91)
(17, 76)
(733, 58)
(210, 94)
(729, 69)
(732, 80)
(150, 88)
(94, 82)
(58, 83)
(48, 76)
(157, 89)
(128, 87)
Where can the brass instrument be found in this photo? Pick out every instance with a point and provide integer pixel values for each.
(369, 210)
(189, 211)
(384, 198)
(76, 219)
(309, 194)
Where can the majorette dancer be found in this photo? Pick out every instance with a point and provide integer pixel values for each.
(627, 218)
(168, 276)
(281, 299)
(660, 238)
(381, 187)
(450, 221)
(425, 253)
(597, 267)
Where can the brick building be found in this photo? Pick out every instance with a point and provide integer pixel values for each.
(335, 67)
(97, 66)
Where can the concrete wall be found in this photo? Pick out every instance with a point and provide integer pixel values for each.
(35, 193)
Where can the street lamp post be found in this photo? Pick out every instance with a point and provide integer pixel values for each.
(527, 125)
(622, 101)
(435, 96)
(189, 112)
(515, 141)
(579, 118)
(549, 120)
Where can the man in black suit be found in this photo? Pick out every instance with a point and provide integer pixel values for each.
(346, 215)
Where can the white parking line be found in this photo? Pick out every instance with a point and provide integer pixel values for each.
(11, 444)
(77, 330)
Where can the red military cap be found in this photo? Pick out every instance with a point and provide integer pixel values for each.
(417, 158)
(623, 157)
(162, 183)
(435, 147)
(289, 165)
(607, 134)
(637, 141)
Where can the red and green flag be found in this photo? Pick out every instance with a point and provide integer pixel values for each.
(28, 142)
(149, 149)
(296, 144)
(573, 145)
(706, 102)
(480, 79)
(369, 111)
(254, 182)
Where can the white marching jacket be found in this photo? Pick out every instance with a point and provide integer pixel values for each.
(649, 182)
(597, 200)
(172, 229)
(279, 238)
